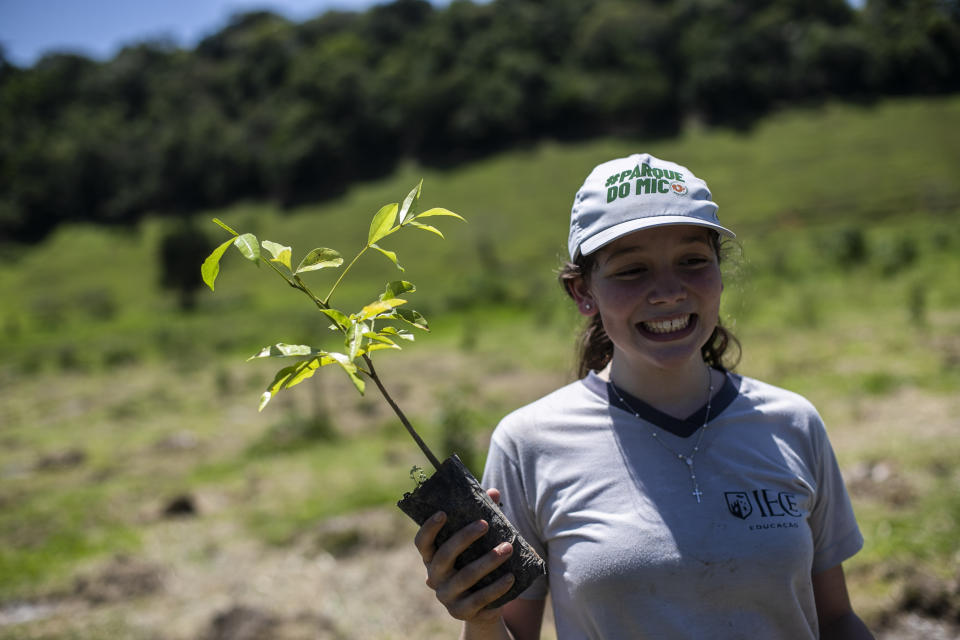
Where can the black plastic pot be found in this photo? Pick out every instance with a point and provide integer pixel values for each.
(454, 490)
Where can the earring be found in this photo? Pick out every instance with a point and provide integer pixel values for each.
(587, 306)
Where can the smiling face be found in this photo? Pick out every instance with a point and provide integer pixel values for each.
(658, 293)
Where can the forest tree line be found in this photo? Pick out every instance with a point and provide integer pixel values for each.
(272, 109)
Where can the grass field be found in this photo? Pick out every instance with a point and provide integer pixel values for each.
(844, 286)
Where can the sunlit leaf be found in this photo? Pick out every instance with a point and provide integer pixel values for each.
(211, 266)
(376, 308)
(223, 225)
(354, 339)
(346, 363)
(413, 317)
(377, 346)
(396, 289)
(248, 246)
(279, 380)
(320, 258)
(264, 399)
(399, 333)
(439, 211)
(281, 350)
(378, 337)
(338, 317)
(382, 223)
(390, 254)
(280, 253)
(407, 209)
(425, 227)
(304, 370)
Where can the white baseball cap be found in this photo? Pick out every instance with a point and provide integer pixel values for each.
(637, 192)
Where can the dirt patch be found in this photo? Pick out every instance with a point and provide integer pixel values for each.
(368, 531)
(123, 578)
(879, 480)
(244, 622)
(911, 626)
(60, 460)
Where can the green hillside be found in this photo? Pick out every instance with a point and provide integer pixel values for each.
(792, 188)
(844, 285)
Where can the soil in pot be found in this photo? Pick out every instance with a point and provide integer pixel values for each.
(454, 490)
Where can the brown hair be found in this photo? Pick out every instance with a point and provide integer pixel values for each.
(594, 348)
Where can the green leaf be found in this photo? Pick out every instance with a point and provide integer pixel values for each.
(280, 253)
(377, 346)
(397, 288)
(347, 365)
(295, 374)
(382, 223)
(281, 350)
(425, 227)
(304, 370)
(381, 306)
(413, 317)
(248, 246)
(379, 338)
(211, 266)
(264, 399)
(354, 339)
(390, 254)
(320, 258)
(412, 197)
(338, 317)
(223, 225)
(399, 333)
(439, 211)
(279, 380)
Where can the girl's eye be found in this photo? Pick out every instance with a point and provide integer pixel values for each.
(694, 261)
(632, 271)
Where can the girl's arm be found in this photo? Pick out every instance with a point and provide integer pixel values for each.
(520, 620)
(836, 616)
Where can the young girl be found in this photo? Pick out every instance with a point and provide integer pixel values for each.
(670, 497)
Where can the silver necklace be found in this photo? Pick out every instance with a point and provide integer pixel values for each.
(687, 460)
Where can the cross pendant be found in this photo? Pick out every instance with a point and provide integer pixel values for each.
(697, 493)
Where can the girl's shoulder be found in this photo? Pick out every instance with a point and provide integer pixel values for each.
(769, 397)
(576, 396)
(765, 406)
(570, 408)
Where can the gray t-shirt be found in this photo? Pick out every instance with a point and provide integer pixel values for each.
(632, 555)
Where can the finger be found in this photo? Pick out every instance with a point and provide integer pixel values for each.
(425, 540)
(474, 604)
(468, 576)
(494, 494)
(444, 558)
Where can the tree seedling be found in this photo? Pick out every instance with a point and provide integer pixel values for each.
(377, 326)
(373, 328)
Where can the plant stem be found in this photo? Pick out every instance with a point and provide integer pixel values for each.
(343, 273)
(396, 409)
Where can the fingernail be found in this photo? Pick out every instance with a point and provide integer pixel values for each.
(479, 525)
(439, 516)
(503, 548)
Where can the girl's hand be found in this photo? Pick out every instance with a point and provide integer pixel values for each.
(452, 585)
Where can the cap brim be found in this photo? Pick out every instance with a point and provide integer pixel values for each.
(607, 236)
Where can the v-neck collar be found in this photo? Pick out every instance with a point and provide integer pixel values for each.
(683, 428)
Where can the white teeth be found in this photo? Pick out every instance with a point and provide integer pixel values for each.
(667, 326)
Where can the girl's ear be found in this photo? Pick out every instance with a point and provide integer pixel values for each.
(580, 293)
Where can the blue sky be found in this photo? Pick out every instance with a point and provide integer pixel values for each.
(100, 28)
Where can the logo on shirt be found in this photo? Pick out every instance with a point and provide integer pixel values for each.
(765, 502)
(739, 504)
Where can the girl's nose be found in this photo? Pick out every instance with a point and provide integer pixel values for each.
(666, 288)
